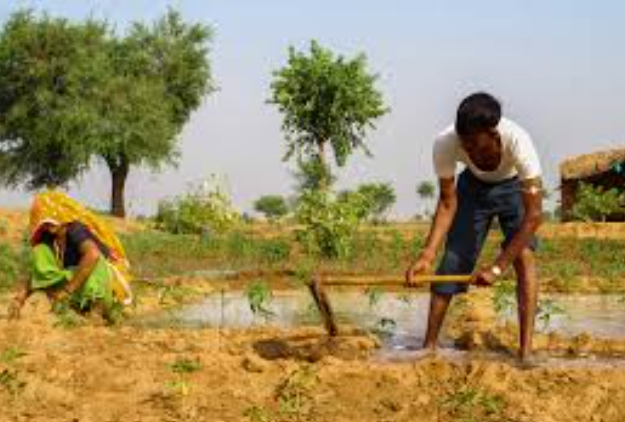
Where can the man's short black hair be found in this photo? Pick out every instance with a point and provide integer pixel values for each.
(477, 113)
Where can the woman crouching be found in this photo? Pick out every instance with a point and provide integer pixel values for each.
(76, 258)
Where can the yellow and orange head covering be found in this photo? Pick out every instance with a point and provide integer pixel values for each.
(55, 207)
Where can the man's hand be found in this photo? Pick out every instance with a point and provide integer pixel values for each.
(484, 277)
(423, 265)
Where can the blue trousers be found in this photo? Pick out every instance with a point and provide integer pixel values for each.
(478, 204)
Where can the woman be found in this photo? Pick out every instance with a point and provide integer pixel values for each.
(76, 257)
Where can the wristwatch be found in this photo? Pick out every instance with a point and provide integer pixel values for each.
(496, 270)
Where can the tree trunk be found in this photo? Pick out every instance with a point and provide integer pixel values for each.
(324, 182)
(119, 173)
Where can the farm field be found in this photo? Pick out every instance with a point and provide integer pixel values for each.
(62, 368)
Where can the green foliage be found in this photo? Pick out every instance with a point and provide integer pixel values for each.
(311, 174)
(504, 297)
(594, 203)
(377, 198)
(10, 268)
(273, 207)
(374, 295)
(11, 382)
(275, 251)
(547, 309)
(325, 99)
(294, 394)
(473, 404)
(259, 297)
(258, 414)
(49, 71)
(72, 91)
(66, 317)
(380, 197)
(426, 189)
(186, 366)
(202, 209)
(329, 224)
(11, 354)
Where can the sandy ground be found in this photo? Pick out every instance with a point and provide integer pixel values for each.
(93, 373)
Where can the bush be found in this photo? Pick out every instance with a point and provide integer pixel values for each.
(200, 211)
(329, 224)
(594, 203)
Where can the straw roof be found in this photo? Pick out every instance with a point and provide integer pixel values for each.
(591, 164)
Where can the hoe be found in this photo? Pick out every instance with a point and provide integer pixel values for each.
(320, 297)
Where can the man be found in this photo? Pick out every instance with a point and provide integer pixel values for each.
(502, 179)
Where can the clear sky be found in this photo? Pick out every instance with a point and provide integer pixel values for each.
(557, 65)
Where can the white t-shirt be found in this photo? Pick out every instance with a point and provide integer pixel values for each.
(518, 157)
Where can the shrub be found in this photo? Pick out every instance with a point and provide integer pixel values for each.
(594, 203)
(329, 224)
(201, 210)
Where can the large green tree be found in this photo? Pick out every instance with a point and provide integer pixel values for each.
(159, 76)
(73, 91)
(50, 69)
(326, 100)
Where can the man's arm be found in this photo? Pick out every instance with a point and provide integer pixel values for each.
(443, 218)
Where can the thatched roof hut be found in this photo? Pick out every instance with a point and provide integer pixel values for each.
(604, 168)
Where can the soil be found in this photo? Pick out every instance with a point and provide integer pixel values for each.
(96, 373)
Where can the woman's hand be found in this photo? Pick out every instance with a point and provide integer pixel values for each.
(59, 295)
(15, 308)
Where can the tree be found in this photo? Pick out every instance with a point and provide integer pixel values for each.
(160, 75)
(273, 207)
(326, 99)
(74, 91)
(426, 190)
(380, 197)
(50, 69)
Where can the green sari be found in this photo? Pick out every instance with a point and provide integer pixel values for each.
(47, 273)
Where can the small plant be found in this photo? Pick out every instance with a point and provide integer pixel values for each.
(374, 295)
(473, 404)
(595, 203)
(547, 310)
(10, 381)
(504, 297)
(258, 414)
(66, 316)
(294, 394)
(178, 387)
(174, 295)
(259, 297)
(275, 251)
(11, 354)
(186, 366)
(385, 327)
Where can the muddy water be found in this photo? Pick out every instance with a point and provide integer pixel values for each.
(601, 316)
(399, 319)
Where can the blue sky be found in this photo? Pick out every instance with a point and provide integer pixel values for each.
(557, 66)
